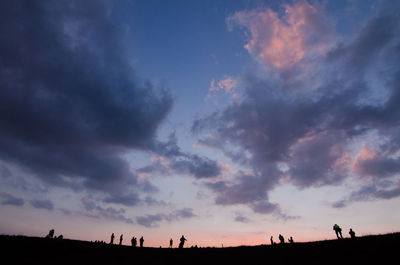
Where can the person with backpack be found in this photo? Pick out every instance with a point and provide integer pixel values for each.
(338, 231)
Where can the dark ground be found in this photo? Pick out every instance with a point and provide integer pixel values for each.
(380, 249)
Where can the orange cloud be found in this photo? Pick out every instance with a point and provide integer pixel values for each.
(282, 41)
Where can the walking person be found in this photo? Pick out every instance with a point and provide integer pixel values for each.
(183, 239)
(338, 231)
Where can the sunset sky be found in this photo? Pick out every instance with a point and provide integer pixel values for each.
(225, 121)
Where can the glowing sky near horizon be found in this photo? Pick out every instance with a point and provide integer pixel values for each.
(225, 121)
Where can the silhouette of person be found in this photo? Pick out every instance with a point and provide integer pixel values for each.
(183, 239)
(141, 240)
(272, 240)
(51, 234)
(170, 243)
(291, 240)
(281, 239)
(120, 239)
(133, 241)
(352, 233)
(338, 231)
(112, 239)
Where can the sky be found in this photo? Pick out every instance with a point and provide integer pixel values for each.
(225, 121)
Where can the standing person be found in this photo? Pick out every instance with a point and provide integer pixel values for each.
(281, 239)
(112, 239)
(338, 231)
(133, 242)
(291, 241)
(183, 239)
(272, 240)
(120, 239)
(141, 241)
(170, 243)
(352, 233)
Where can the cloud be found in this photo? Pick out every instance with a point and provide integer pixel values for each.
(183, 213)
(150, 220)
(65, 211)
(283, 132)
(70, 104)
(249, 190)
(8, 199)
(153, 220)
(171, 159)
(377, 190)
(320, 159)
(151, 201)
(282, 41)
(241, 218)
(131, 199)
(42, 204)
(370, 42)
(94, 210)
(199, 167)
(4, 171)
(375, 164)
(227, 84)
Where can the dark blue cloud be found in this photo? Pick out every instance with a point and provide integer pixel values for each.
(8, 199)
(5, 172)
(42, 204)
(70, 103)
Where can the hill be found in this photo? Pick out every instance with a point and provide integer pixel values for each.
(376, 249)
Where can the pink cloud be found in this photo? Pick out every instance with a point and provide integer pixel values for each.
(282, 41)
(365, 155)
(227, 85)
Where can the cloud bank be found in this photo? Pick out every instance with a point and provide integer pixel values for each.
(308, 104)
(70, 103)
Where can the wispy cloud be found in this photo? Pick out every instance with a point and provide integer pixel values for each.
(227, 85)
(8, 199)
(42, 204)
(153, 220)
(171, 159)
(94, 210)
